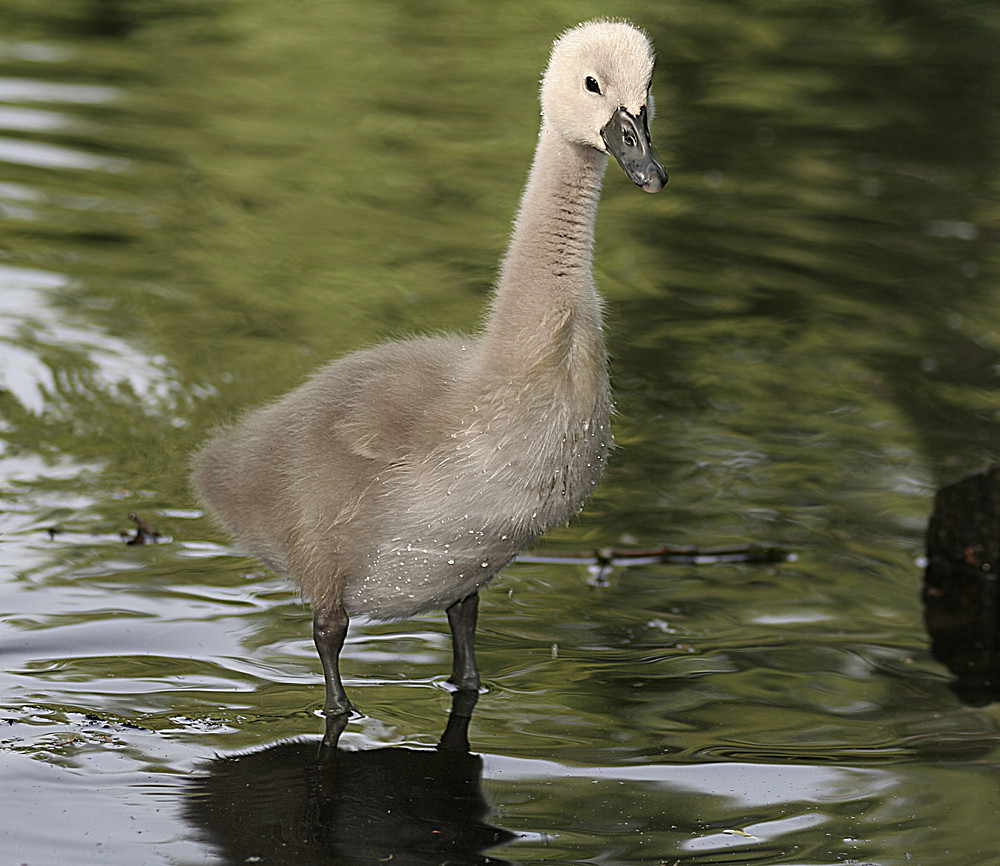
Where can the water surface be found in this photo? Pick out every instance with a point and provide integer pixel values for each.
(199, 203)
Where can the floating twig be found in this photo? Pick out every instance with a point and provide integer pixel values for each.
(144, 533)
(602, 560)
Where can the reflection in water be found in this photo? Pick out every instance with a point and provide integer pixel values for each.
(299, 803)
(961, 592)
(806, 346)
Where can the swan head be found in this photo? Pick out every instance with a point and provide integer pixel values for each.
(596, 92)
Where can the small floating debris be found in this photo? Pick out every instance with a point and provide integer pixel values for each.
(144, 533)
(601, 561)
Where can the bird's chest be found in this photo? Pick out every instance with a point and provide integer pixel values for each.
(523, 474)
(454, 518)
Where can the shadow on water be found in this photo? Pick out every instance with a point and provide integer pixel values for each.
(310, 803)
(962, 584)
(201, 202)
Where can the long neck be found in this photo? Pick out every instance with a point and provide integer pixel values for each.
(545, 303)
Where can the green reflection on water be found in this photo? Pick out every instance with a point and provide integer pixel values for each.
(804, 329)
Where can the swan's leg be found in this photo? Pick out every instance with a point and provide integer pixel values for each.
(334, 728)
(329, 632)
(462, 617)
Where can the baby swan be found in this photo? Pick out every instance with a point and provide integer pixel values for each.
(401, 478)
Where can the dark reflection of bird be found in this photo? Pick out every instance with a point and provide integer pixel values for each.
(300, 804)
(400, 479)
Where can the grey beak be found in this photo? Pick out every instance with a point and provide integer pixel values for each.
(627, 138)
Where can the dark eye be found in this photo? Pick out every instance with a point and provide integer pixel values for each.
(591, 84)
